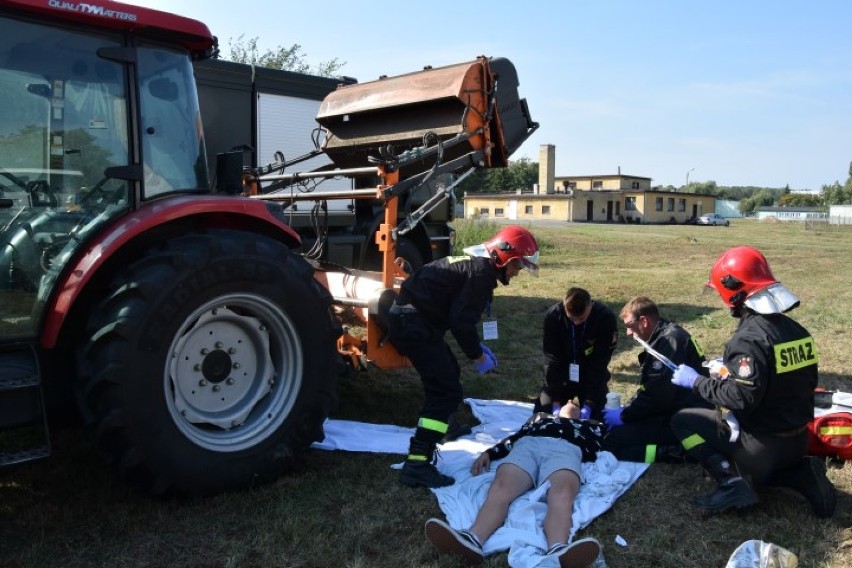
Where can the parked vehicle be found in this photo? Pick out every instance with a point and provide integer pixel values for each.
(200, 345)
(713, 219)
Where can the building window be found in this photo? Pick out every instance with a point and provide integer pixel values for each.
(545, 209)
(498, 211)
(630, 204)
(597, 185)
(681, 205)
(483, 210)
(528, 209)
(658, 206)
(670, 204)
(634, 185)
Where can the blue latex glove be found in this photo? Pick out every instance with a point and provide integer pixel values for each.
(488, 353)
(612, 417)
(685, 376)
(488, 363)
(585, 412)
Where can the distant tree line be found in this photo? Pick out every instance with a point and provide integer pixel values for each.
(522, 175)
(290, 58)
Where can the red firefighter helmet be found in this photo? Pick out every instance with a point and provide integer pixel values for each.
(513, 242)
(739, 273)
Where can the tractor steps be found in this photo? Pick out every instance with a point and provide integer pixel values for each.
(24, 434)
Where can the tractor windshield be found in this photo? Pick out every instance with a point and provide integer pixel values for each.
(63, 122)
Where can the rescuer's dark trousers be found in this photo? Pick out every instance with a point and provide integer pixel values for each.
(438, 367)
(703, 433)
(638, 441)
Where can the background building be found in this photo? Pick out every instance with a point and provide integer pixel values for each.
(790, 213)
(596, 198)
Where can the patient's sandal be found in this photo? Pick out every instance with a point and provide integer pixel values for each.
(579, 554)
(459, 543)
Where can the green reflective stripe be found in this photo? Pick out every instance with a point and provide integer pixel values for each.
(795, 355)
(588, 351)
(650, 453)
(434, 425)
(835, 431)
(698, 348)
(691, 442)
(416, 458)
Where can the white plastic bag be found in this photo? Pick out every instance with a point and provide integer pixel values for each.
(759, 554)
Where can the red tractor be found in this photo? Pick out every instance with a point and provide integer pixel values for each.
(201, 346)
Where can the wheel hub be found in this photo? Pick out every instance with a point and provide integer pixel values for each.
(221, 368)
(216, 366)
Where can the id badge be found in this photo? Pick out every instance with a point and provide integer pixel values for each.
(574, 373)
(489, 329)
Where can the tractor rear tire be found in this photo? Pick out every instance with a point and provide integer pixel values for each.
(210, 365)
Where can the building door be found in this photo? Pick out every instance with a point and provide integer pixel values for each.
(512, 213)
(609, 210)
(695, 211)
(590, 210)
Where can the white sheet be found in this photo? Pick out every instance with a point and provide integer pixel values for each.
(522, 534)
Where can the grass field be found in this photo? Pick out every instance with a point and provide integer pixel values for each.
(347, 510)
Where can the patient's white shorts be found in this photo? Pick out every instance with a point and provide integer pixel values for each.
(541, 456)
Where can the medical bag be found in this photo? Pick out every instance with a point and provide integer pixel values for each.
(830, 432)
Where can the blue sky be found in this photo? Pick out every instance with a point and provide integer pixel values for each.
(742, 93)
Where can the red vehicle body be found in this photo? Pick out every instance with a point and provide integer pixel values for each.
(201, 347)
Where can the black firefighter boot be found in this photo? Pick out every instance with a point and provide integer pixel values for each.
(455, 429)
(419, 467)
(733, 490)
(808, 478)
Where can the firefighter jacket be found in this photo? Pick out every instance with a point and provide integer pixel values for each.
(590, 345)
(451, 293)
(657, 396)
(772, 363)
(586, 434)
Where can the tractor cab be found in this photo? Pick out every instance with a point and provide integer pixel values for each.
(73, 141)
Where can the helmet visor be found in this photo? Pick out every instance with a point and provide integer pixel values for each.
(530, 262)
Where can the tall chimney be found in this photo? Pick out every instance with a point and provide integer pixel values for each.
(547, 168)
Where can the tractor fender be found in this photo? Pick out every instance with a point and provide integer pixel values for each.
(218, 212)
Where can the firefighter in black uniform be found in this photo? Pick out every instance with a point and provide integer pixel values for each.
(641, 430)
(578, 340)
(771, 366)
(450, 293)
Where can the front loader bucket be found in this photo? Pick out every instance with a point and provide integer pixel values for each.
(452, 102)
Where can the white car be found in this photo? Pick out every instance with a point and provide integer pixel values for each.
(713, 219)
